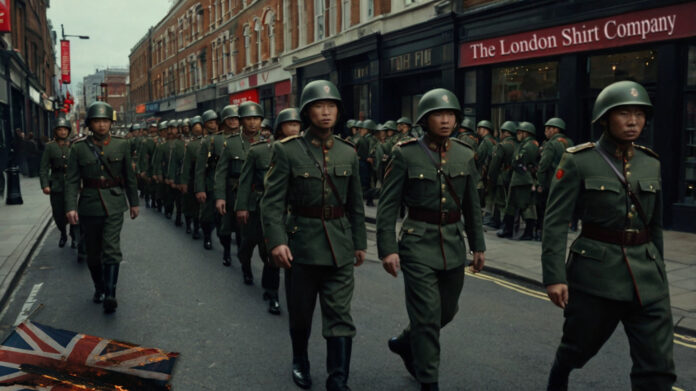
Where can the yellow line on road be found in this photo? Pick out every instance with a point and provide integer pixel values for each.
(677, 389)
(688, 345)
(685, 337)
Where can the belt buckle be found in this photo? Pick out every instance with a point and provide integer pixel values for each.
(443, 217)
(327, 212)
(630, 235)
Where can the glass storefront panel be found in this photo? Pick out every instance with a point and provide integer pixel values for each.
(525, 83)
(362, 101)
(689, 183)
(639, 66)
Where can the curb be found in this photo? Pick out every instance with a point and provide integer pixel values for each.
(19, 259)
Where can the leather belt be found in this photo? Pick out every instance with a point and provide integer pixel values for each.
(102, 183)
(629, 237)
(433, 216)
(58, 169)
(319, 212)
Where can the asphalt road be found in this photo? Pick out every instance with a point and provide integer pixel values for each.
(178, 297)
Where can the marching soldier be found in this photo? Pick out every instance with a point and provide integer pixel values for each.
(266, 129)
(550, 151)
(500, 169)
(144, 166)
(204, 181)
(484, 151)
(324, 237)
(520, 194)
(103, 164)
(190, 206)
(432, 170)
(404, 124)
(229, 168)
(352, 130)
(156, 165)
(175, 156)
(615, 270)
(363, 146)
(54, 163)
(466, 133)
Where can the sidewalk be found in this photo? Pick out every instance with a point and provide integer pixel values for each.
(21, 230)
(522, 260)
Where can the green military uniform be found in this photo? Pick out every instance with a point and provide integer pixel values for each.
(209, 153)
(190, 205)
(484, 152)
(105, 172)
(317, 181)
(144, 166)
(466, 133)
(161, 188)
(363, 147)
(500, 170)
(175, 157)
(615, 271)
(437, 182)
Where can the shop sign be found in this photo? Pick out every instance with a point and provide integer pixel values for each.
(245, 96)
(141, 108)
(152, 107)
(65, 61)
(5, 16)
(186, 103)
(47, 104)
(653, 25)
(169, 104)
(206, 95)
(283, 88)
(421, 58)
(34, 95)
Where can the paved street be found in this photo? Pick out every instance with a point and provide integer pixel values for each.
(175, 296)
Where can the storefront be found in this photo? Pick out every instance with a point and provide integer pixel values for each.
(542, 67)
(271, 88)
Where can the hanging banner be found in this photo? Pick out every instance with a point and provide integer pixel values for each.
(64, 61)
(5, 16)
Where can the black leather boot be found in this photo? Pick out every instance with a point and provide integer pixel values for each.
(495, 219)
(95, 270)
(178, 222)
(430, 387)
(226, 242)
(506, 230)
(110, 280)
(402, 346)
(63, 238)
(196, 229)
(188, 225)
(528, 230)
(246, 272)
(300, 359)
(558, 378)
(74, 235)
(338, 351)
(207, 233)
(273, 303)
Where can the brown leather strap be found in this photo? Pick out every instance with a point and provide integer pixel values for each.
(433, 216)
(318, 212)
(615, 236)
(102, 183)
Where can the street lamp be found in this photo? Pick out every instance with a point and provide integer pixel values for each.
(62, 31)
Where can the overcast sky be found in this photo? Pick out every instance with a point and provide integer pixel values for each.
(114, 27)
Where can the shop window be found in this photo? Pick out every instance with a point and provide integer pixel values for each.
(640, 66)
(362, 102)
(470, 87)
(689, 184)
(525, 83)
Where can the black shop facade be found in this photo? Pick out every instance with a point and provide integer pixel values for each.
(527, 62)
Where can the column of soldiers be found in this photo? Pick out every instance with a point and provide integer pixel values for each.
(298, 196)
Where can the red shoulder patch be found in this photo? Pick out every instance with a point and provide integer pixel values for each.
(560, 173)
(535, 142)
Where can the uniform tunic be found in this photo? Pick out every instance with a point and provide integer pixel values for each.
(54, 164)
(520, 192)
(188, 173)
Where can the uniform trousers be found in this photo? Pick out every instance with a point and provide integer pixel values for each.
(520, 198)
(252, 236)
(590, 320)
(102, 236)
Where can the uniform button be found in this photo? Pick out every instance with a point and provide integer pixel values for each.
(444, 200)
(601, 187)
(444, 187)
(420, 176)
(651, 187)
(306, 175)
(629, 215)
(295, 228)
(633, 208)
(628, 174)
(628, 165)
(443, 161)
(461, 172)
(410, 230)
(345, 172)
(582, 252)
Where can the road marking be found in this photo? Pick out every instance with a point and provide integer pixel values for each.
(28, 305)
(677, 389)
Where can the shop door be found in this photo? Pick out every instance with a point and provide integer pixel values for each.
(401, 95)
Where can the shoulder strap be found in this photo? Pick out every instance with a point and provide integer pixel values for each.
(450, 187)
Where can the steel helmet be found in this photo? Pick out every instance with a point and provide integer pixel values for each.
(404, 120)
(468, 124)
(390, 125)
(266, 124)
(229, 111)
(209, 115)
(527, 127)
(358, 124)
(291, 114)
(63, 123)
(319, 90)
(250, 109)
(621, 93)
(350, 123)
(186, 122)
(485, 124)
(100, 109)
(556, 122)
(369, 125)
(437, 99)
(196, 120)
(163, 125)
(509, 126)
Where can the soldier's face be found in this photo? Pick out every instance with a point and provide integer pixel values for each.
(197, 130)
(625, 123)
(441, 123)
(323, 114)
(549, 131)
(363, 132)
(481, 131)
(290, 128)
(232, 123)
(353, 130)
(403, 128)
(100, 126)
(251, 124)
(211, 126)
(62, 133)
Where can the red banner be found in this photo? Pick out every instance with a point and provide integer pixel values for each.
(244, 96)
(65, 61)
(633, 28)
(140, 109)
(5, 26)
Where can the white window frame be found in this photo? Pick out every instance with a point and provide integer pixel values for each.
(319, 20)
(258, 27)
(247, 45)
(332, 17)
(345, 14)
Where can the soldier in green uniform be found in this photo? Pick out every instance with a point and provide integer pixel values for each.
(363, 146)
(172, 177)
(380, 154)
(404, 124)
(102, 163)
(266, 129)
(229, 168)
(520, 194)
(190, 205)
(155, 166)
(500, 169)
(436, 177)
(351, 129)
(251, 187)
(54, 163)
(484, 151)
(144, 165)
(615, 271)
(323, 237)
(186, 129)
(550, 154)
(204, 180)
(392, 135)
(466, 133)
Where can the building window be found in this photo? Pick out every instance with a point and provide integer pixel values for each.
(258, 28)
(233, 51)
(247, 46)
(319, 20)
(688, 187)
(302, 26)
(640, 66)
(332, 17)
(270, 25)
(345, 15)
(370, 8)
(363, 100)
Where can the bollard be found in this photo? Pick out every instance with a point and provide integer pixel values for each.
(14, 193)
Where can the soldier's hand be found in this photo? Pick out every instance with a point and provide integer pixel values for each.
(391, 263)
(200, 196)
(282, 256)
(478, 262)
(558, 293)
(242, 216)
(173, 185)
(359, 257)
(72, 217)
(47, 190)
(221, 206)
(134, 212)
(184, 188)
(539, 189)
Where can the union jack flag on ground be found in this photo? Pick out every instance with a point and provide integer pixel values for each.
(38, 357)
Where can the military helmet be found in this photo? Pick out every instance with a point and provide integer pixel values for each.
(136, 126)
(509, 126)
(250, 109)
(63, 123)
(350, 123)
(209, 115)
(485, 124)
(291, 114)
(163, 125)
(186, 122)
(196, 120)
(437, 99)
(621, 93)
(527, 127)
(369, 125)
(100, 109)
(468, 124)
(358, 124)
(229, 111)
(266, 124)
(404, 120)
(179, 123)
(556, 122)
(319, 90)
(390, 125)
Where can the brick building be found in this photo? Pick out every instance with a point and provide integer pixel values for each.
(27, 77)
